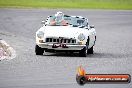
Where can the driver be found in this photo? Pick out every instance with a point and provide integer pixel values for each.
(59, 19)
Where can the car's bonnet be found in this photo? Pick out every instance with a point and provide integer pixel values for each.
(63, 31)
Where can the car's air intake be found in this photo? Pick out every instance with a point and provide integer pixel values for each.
(61, 40)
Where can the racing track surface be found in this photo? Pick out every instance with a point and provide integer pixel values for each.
(113, 50)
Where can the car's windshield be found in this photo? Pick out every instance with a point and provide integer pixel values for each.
(69, 20)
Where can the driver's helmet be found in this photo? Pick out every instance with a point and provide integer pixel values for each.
(59, 16)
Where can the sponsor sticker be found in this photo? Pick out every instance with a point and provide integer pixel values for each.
(83, 78)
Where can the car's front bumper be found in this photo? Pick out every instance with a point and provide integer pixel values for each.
(73, 47)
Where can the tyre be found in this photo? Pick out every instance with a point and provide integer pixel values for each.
(90, 51)
(39, 50)
(83, 52)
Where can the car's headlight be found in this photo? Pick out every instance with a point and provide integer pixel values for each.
(81, 37)
(40, 34)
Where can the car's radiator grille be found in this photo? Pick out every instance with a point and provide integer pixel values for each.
(61, 40)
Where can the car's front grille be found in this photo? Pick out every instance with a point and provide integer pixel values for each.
(60, 40)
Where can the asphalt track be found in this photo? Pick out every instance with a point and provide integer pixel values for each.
(113, 50)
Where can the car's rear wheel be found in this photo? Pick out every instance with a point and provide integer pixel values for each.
(39, 50)
(83, 52)
(90, 51)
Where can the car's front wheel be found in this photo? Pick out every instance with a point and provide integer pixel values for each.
(39, 50)
(90, 51)
(83, 52)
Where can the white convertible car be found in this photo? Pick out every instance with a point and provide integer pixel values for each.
(74, 34)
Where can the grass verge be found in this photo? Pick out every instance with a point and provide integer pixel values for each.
(86, 4)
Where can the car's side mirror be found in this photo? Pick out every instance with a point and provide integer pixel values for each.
(82, 26)
(92, 26)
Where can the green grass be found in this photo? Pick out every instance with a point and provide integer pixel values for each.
(87, 4)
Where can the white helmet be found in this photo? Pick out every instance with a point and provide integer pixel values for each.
(59, 16)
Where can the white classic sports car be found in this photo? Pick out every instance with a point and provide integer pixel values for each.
(65, 33)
